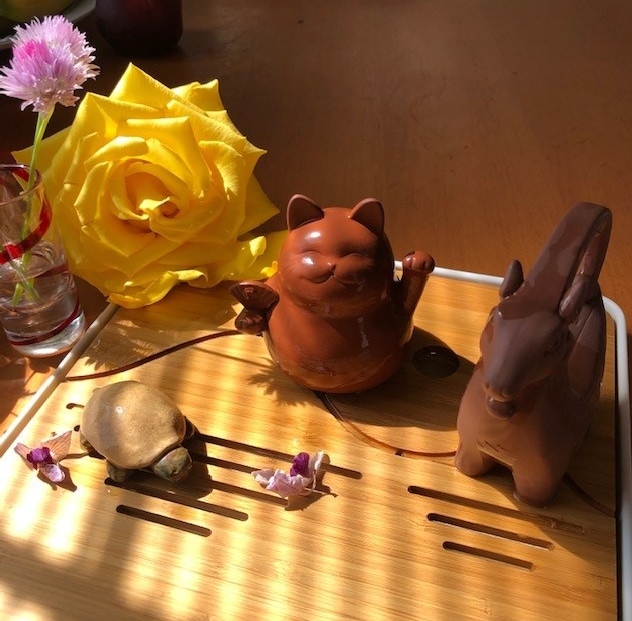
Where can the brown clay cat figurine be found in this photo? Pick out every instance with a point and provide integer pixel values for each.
(333, 316)
(532, 395)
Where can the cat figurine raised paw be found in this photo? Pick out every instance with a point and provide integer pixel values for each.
(333, 316)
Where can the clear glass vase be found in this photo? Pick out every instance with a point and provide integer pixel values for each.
(39, 306)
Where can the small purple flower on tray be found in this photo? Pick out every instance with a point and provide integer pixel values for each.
(45, 457)
(301, 480)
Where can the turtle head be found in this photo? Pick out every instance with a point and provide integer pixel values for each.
(174, 465)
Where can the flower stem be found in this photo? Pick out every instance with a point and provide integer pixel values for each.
(40, 127)
(25, 287)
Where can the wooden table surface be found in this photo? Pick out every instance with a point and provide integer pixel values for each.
(477, 123)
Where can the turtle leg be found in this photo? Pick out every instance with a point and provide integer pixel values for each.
(84, 443)
(174, 466)
(87, 446)
(190, 429)
(120, 475)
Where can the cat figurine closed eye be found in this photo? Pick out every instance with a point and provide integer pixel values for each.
(333, 316)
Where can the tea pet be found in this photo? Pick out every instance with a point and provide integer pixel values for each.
(136, 426)
(532, 395)
(333, 316)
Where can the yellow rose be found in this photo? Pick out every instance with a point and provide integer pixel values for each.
(154, 186)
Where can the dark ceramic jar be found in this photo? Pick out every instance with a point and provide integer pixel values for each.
(140, 27)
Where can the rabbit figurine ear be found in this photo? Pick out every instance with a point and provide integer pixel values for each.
(369, 213)
(302, 210)
(513, 279)
(574, 299)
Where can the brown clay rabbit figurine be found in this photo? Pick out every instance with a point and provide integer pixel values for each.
(532, 395)
(333, 316)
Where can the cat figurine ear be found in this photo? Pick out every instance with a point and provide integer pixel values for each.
(302, 210)
(370, 214)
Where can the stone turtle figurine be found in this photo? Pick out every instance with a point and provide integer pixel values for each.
(135, 426)
(333, 316)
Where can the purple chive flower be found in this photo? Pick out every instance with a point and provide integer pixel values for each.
(51, 59)
(301, 479)
(40, 456)
(45, 457)
(300, 465)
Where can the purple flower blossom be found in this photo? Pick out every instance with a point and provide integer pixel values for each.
(51, 59)
(45, 457)
(40, 456)
(300, 465)
(301, 480)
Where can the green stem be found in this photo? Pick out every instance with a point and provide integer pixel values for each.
(40, 128)
(25, 287)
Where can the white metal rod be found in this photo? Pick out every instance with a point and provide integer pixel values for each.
(51, 382)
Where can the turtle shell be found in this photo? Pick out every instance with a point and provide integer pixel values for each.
(132, 424)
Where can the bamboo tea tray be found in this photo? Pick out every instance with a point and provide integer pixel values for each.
(398, 532)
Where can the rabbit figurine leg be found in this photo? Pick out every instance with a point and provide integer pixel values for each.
(536, 486)
(471, 461)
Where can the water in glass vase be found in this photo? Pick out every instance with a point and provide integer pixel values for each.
(39, 307)
(47, 318)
